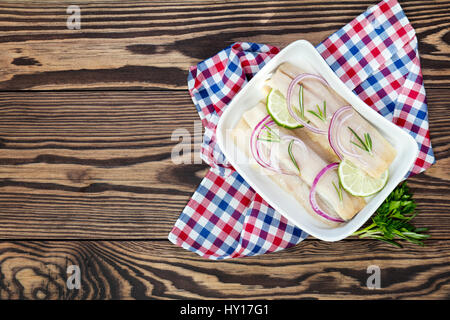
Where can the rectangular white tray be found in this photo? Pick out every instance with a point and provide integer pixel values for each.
(304, 55)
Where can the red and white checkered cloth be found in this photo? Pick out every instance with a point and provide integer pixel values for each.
(375, 55)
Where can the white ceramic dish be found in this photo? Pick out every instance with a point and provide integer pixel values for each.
(304, 55)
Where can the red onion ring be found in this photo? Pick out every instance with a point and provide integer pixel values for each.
(312, 193)
(254, 143)
(262, 126)
(294, 81)
(333, 134)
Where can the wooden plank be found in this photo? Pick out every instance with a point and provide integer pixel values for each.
(98, 165)
(157, 269)
(144, 45)
(101, 160)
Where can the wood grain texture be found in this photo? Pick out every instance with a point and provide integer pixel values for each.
(101, 160)
(98, 164)
(141, 45)
(149, 270)
(86, 124)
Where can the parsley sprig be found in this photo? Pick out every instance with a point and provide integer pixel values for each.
(392, 220)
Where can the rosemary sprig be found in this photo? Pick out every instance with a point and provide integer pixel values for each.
(291, 155)
(368, 140)
(268, 140)
(300, 102)
(365, 144)
(272, 136)
(392, 220)
(271, 131)
(338, 190)
(322, 115)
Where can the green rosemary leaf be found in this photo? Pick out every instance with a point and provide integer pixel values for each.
(365, 145)
(320, 113)
(273, 132)
(368, 141)
(267, 140)
(300, 101)
(291, 155)
(315, 114)
(358, 145)
(357, 136)
(338, 190)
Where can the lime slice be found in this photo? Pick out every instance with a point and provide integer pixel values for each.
(277, 108)
(357, 182)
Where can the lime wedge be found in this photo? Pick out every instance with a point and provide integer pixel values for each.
(357, 182)
(277, 108)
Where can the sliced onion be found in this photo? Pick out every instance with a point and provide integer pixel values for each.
(339, 117)
(255, 147)
(294, 81)
(312, 193)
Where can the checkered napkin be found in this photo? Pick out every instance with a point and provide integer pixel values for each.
(375, 55)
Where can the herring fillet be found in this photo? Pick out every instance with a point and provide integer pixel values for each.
(280, 81)
(291, 184)
(311, 164)
(382, 154)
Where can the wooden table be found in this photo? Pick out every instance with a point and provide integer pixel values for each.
(86, 176)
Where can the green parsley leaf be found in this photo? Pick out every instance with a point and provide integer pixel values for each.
(391, 221)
